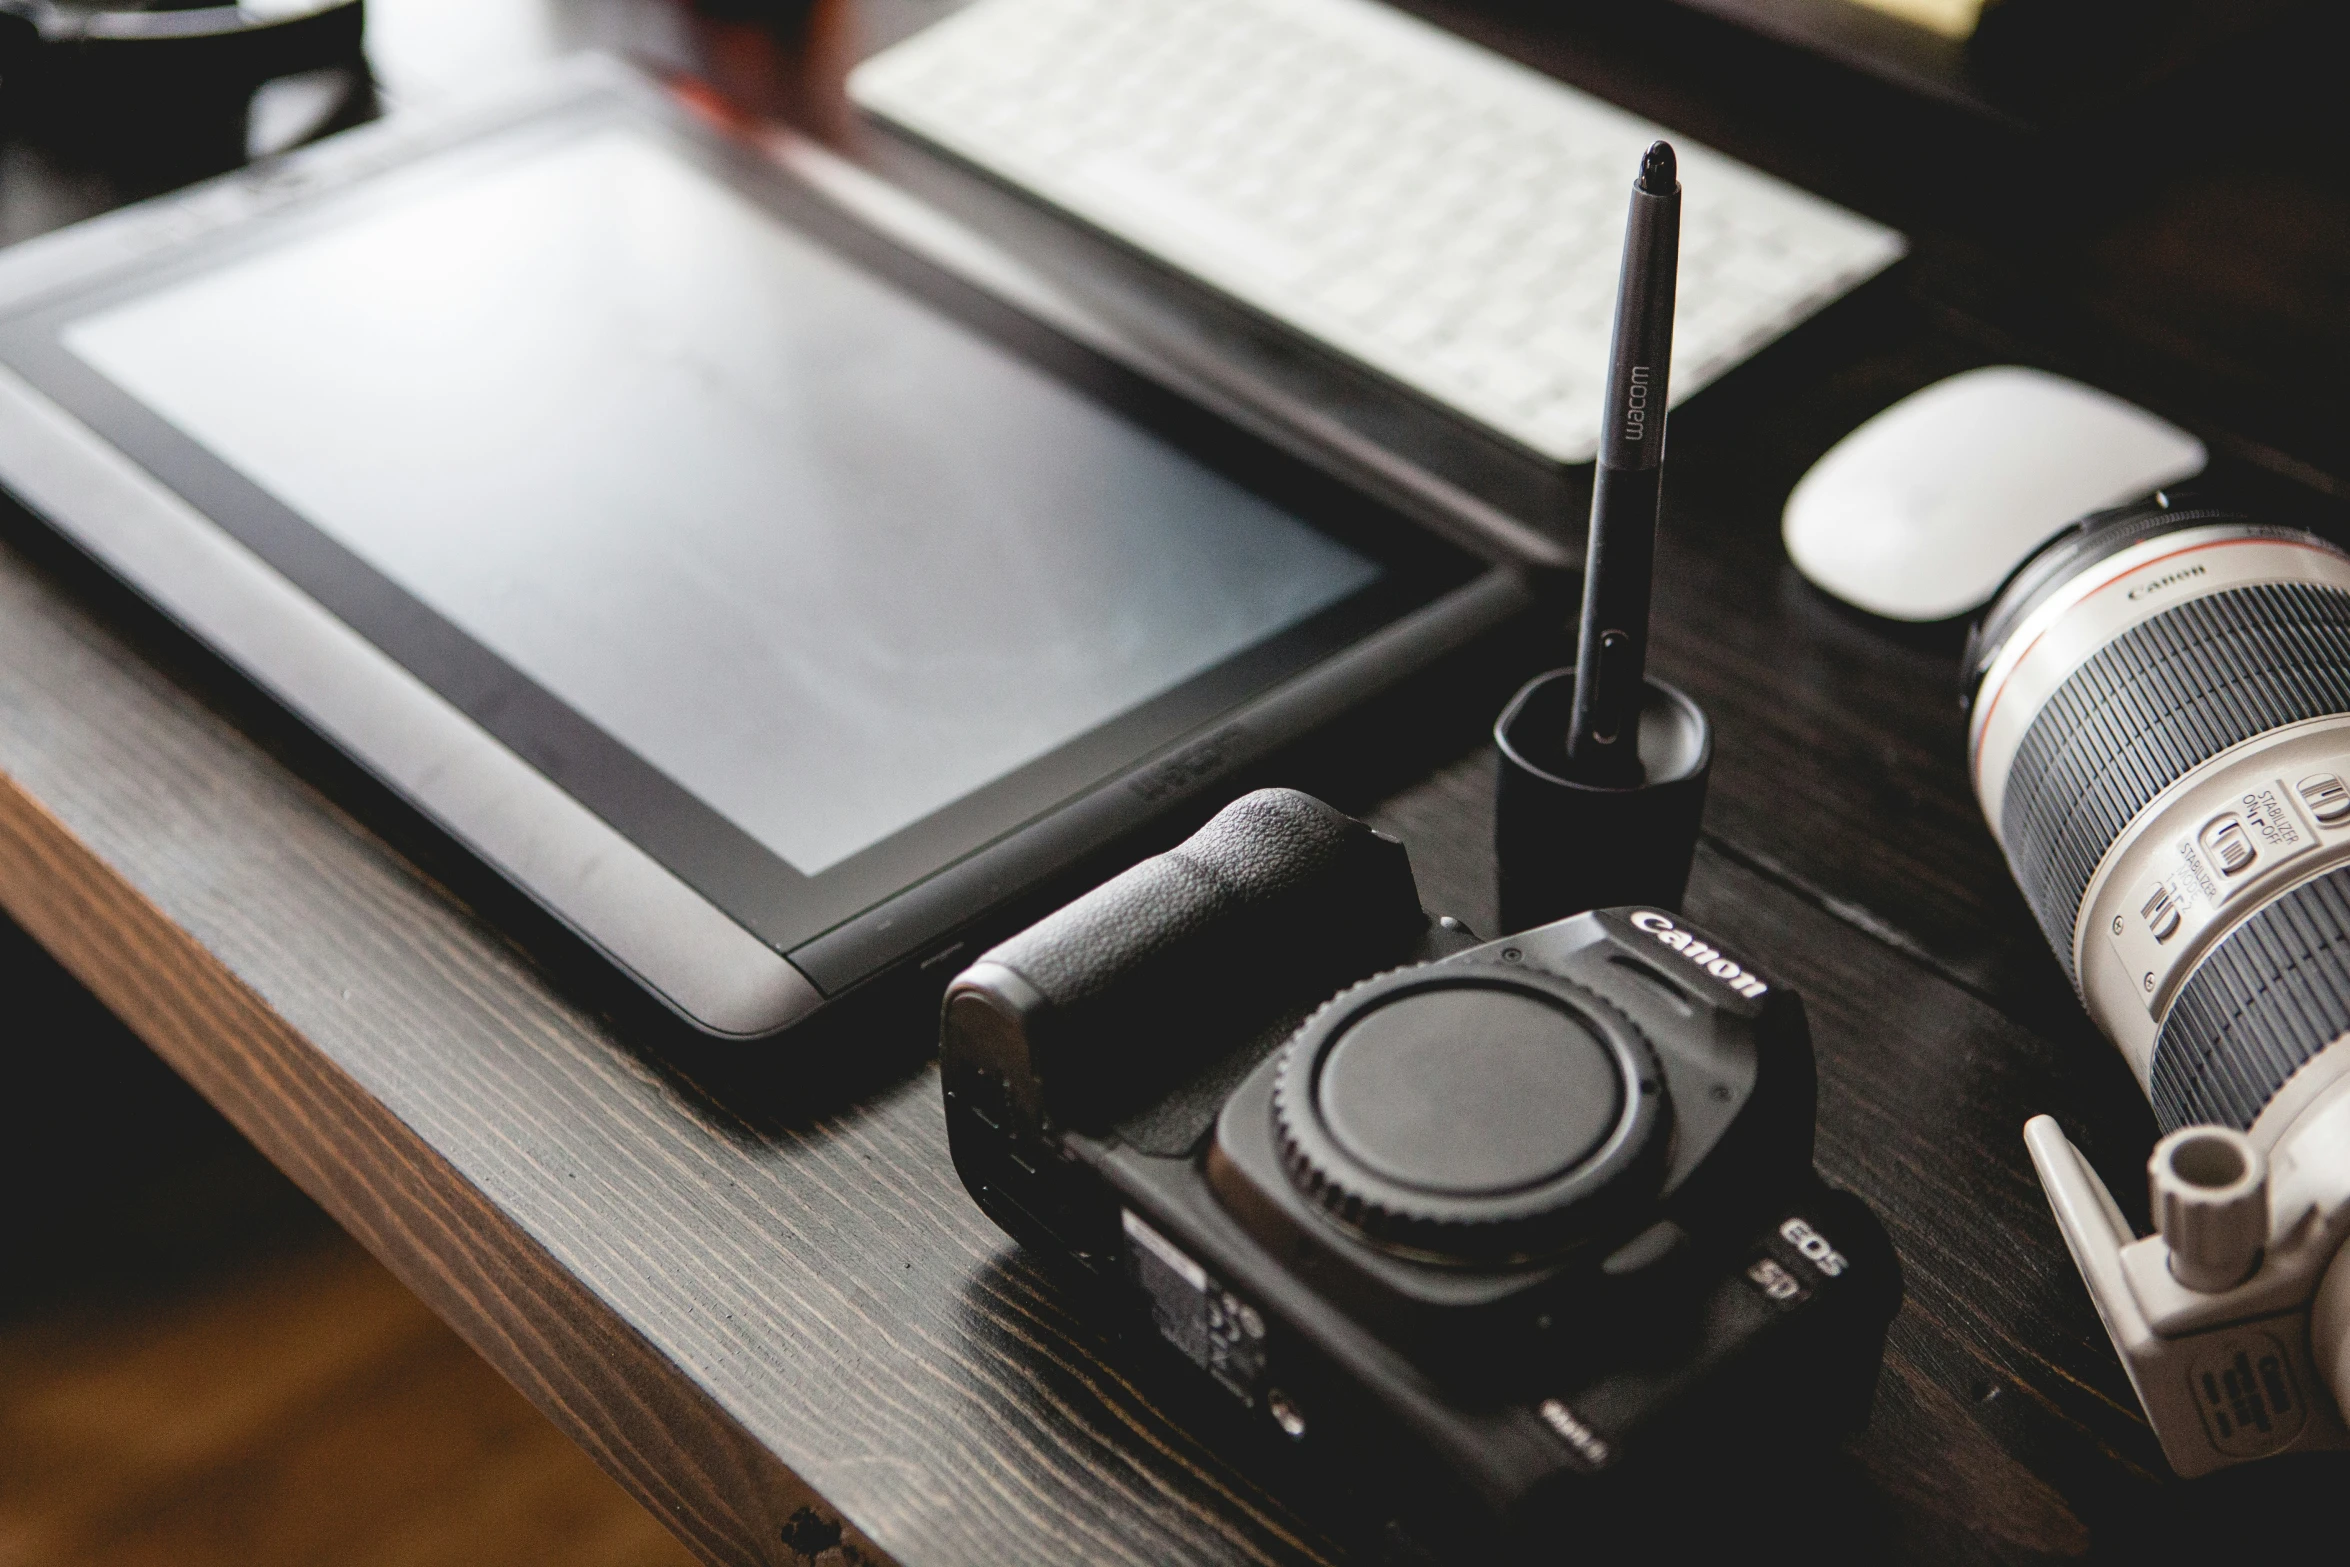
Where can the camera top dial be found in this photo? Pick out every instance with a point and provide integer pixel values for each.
(1471, 1116)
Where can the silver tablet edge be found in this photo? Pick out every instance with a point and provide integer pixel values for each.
(604, 887)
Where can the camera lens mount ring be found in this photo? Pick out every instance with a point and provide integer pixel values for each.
(1470, 1115)
(2071, 556)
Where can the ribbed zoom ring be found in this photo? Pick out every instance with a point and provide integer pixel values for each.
(2159, 700)
(2270, 996)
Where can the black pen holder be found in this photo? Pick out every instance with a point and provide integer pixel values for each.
(1563, 847)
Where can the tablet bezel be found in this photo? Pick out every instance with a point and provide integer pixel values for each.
(828, 932)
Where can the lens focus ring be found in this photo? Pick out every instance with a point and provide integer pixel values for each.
(2159, 700)
(2270, 996)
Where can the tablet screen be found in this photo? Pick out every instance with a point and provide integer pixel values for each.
(826, 558)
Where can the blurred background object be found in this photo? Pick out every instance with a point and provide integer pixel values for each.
(180, 88)
(198, 1367)
(1950, 18)
(2028, 64)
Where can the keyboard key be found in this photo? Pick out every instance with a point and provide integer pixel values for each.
(1442, 215)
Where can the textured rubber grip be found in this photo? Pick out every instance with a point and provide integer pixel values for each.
(2150, 706)
(1103, 1008)
(1276, 854)
(2274, 993)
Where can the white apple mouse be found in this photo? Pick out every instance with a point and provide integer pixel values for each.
(1923, 511)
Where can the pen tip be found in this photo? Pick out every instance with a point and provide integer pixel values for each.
(1659, 172)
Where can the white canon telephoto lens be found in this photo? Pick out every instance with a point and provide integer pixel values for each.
(2160, 740)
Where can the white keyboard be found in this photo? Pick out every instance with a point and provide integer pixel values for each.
(1436, 212)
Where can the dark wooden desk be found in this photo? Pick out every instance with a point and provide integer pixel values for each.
(786, 1328)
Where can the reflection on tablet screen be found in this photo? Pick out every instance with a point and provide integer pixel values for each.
(743, 506)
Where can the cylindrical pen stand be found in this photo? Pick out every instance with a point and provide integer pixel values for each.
(1563, 847)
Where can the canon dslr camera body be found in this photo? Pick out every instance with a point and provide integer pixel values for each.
(1495, 1221)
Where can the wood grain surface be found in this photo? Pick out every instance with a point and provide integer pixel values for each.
(780, 1322)
(199, 1368)
(289, 1408)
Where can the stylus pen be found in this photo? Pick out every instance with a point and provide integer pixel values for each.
(1603, 745)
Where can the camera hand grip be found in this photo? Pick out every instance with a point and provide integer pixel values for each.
(1093, 1004)
(1274, 849)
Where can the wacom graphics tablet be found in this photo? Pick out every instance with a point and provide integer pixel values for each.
(768, 596)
